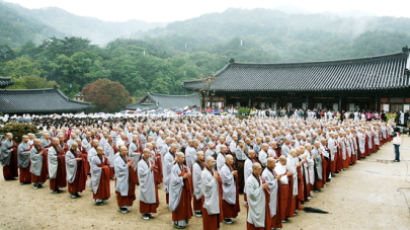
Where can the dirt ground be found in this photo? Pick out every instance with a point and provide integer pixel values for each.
(370, 195)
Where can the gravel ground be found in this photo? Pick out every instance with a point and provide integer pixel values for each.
(370, 195)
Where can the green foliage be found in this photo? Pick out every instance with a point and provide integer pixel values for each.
(243, 112)
(159, 60)
(18, 129)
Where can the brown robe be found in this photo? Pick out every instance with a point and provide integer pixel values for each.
(184, 209)
(103, 191)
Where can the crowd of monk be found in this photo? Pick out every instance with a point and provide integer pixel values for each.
(202, 163)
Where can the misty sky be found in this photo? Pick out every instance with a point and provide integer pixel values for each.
(172, 10)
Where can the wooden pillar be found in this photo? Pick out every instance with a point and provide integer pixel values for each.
(225, 101)
(340, 104)
(203, 102)
(307, 102)
(376, 104)
(249, 102)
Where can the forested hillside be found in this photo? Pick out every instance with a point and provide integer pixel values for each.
(158, 60)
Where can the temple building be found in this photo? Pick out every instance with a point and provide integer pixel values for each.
(38, 101)
(165, 101)
(369, 84)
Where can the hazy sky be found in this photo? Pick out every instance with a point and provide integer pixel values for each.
(172, 10)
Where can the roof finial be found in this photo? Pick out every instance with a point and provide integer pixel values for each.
(406, 49)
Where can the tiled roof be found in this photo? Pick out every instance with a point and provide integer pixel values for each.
(38, 101)
(5, 82)
(373, 73)
(167, 101)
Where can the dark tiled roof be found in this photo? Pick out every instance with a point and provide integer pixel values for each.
(373, 73)
(5, 82)
(38, 101)
(153, 100)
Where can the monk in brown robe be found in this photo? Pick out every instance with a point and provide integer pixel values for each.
(38, 164)
(100, 177)
(23, 158)
(76, 176)
(8, 157)
(56, 166)
(125, 180)
(180, 193)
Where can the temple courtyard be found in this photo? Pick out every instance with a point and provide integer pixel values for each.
(372, 194)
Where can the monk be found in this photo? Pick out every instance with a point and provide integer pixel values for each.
(23, 159)
(180, 192)
(100, 177)
(56, 166)
(76, 177)
(197, 183)
(230, 191)
(258, 200)
(8, 157)
(272, 179)
(318, 169)
(168, 163)
(38, 164)
(211, 188)
(148, 191)
(282, 171)
(125, 180)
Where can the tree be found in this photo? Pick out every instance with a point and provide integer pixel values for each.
(106, 95)
(32, 82)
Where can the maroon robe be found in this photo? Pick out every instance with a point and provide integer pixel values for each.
(43, 176)
(132, 180)
(80, 179)
(10, 172)
(60, 181)
(184, 209)
(103, 191)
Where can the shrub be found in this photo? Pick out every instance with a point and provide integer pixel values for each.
(18, 129)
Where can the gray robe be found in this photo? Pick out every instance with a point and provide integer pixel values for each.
(5, 152)
(36, 162)
(256, 202)
(95, 172)
(211, 192)
(23, 155)
(168, 163)
(196, 180)
(146, 192)
(273, 190)
(318, 163)
(122, 176)
(52, 163)
(134, 155)
(220, 161)
(71, 166)
(176, 183)
(228, 185)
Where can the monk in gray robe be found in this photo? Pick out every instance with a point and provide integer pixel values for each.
(23, 159)
(38, 164)
(75, 169)
(197, 182)
(212, 189)
(56, 166)
(148, 191)
(168, 163)
(8, 157)
(100, 177)
(125, 180)
(230, 191)
(271, 178)
(180, 192)
(258, 200)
